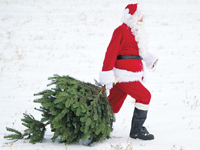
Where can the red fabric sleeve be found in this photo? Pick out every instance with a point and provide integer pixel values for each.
(112, 50)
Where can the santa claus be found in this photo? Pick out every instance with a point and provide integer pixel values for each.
(127, 58)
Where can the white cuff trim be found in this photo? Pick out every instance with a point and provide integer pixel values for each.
(106, 77)
(141, 106)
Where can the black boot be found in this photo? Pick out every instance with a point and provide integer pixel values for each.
(137, 129)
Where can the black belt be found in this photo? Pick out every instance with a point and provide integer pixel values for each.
(129, 57)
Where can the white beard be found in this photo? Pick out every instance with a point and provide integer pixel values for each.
(137, 29)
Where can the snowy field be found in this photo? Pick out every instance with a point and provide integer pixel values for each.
(39, 38)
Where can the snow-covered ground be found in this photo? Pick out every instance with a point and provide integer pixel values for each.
(70, 37)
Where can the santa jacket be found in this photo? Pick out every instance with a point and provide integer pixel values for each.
(127, 70)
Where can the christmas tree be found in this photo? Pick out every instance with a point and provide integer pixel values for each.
(76, 112)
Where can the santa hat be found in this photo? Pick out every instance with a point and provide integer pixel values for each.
(133, 12)
(132, 8)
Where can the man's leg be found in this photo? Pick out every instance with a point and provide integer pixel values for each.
(142, 97)
(116, 98)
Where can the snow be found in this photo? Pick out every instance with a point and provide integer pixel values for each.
(42, 38)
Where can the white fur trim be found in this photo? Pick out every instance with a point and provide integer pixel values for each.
(106, 77)
(128, 76)
(126, 14)
(141, 106)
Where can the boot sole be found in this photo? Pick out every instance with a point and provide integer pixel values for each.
(145, 139)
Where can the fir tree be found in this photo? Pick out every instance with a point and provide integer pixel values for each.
(75, 111)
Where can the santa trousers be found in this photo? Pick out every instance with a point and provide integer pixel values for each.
(135, 89)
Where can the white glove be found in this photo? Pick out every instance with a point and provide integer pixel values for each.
(109, 86)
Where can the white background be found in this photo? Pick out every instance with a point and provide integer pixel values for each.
(39, 38)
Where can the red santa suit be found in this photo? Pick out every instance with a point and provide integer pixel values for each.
(127, 39)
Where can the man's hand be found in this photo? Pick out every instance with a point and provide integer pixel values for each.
(110, 85)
